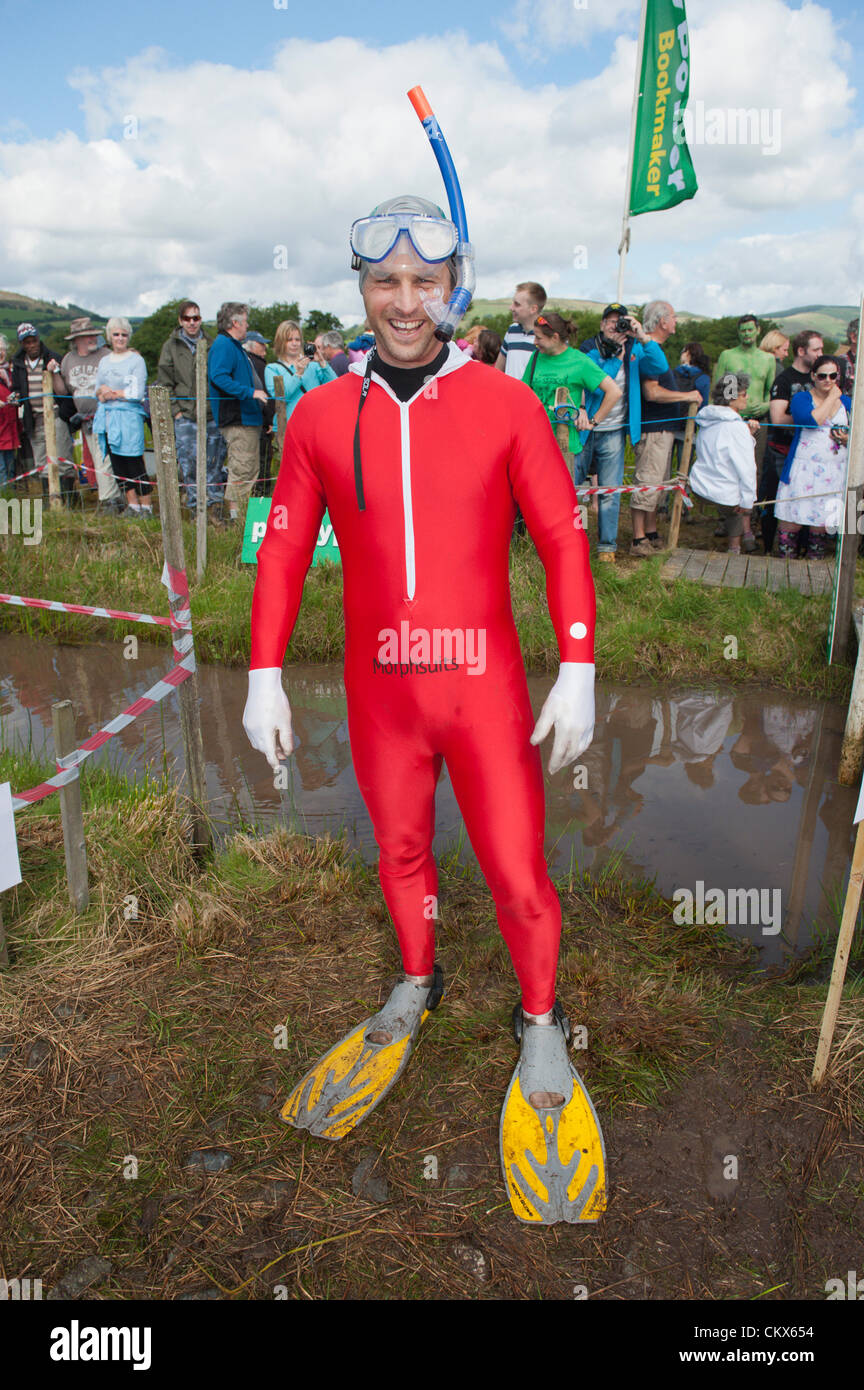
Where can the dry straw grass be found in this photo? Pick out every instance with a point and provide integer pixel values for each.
(155, 1037)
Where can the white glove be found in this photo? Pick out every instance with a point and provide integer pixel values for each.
(570, 707)
(267, 714)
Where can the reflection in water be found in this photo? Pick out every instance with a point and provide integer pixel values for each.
(734, 790)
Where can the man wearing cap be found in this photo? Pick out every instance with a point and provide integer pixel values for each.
(176, 370)
(621, 348)
(256, 345)
(78, 369)
(30, 361)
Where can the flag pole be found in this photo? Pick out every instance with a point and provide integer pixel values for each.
(624, 245)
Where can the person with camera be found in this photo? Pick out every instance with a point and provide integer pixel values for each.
(619, 349)
(301, 367)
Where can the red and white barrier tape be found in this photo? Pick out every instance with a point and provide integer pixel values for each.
(69, 764)
(632, 487)
(180, 623)
(56, 606)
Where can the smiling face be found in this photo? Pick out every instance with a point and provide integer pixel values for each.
(393, 295)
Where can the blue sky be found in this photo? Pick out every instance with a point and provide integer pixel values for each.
(71, 73)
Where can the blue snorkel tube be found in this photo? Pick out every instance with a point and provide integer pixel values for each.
(460, 299)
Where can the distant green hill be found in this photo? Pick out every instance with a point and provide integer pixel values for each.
(830, 319)
(52, 320)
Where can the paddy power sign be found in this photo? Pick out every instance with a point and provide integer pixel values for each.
(662, 169)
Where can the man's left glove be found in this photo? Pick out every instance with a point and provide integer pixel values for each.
(569, 707)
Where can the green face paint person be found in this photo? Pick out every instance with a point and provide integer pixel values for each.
(760, 367)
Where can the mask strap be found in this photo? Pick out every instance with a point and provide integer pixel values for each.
(358, 462)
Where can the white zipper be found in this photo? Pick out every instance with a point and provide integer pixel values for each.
(407, 505)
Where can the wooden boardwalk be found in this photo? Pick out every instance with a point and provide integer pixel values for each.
(722, 570)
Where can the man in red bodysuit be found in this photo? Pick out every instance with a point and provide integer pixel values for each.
(422, 457)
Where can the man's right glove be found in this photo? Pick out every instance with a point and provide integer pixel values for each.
(268, 715)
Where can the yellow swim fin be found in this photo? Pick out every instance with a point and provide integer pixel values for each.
(552, 1152)
(350, 1079)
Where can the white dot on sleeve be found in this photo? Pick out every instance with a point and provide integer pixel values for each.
(578, 630)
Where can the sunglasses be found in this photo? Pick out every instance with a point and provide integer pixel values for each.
(826, 376)
(190, 318)
(543, 322)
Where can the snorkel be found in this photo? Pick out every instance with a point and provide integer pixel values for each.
(448, 316)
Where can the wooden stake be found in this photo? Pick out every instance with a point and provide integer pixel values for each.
(684, 469)
(201, 459)
(54, 499)
(71, 814)
(281, 417)
(841, 958)
(852, 750)
(4, 952)
(172, 542)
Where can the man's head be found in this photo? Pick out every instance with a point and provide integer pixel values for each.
(395, 290)
(659, 320)
(528, 300)
(852, 333)
(83, 337)
(806, 347)
(233, 319)
(256, 343)
(748, 330)
(328, 344)
(28, 337)
(189, 318)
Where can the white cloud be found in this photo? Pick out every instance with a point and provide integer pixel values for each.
(229, 164)
(535, 26)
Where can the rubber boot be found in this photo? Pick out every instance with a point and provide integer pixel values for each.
(787, 544)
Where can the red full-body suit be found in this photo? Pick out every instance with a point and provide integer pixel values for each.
(443, 475)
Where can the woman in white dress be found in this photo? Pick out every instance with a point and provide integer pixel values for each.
(813, 483)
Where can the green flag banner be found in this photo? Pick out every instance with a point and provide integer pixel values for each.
(257, 515)
(662, 168)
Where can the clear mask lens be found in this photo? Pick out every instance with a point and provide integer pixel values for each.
(373, 238)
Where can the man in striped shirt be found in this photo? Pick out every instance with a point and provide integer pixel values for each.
(518, 345)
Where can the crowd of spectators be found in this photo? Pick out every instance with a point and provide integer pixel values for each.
(771, 437)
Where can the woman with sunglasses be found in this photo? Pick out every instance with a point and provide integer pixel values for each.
(815, 464)
(121, 388)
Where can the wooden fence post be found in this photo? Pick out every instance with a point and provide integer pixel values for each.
(841, 958)
(281, 417)
(71, 814)
(683, 470)
(172, 542)
(201, 459)
(54, 499)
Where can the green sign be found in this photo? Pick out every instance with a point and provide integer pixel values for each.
(662, 169)
(257, 515)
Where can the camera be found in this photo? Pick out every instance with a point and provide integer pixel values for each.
(309, 350)
(626, 324)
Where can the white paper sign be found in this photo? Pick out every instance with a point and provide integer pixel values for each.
(859, 809)
(10, 869)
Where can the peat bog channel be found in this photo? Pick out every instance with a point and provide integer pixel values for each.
(730, 789)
